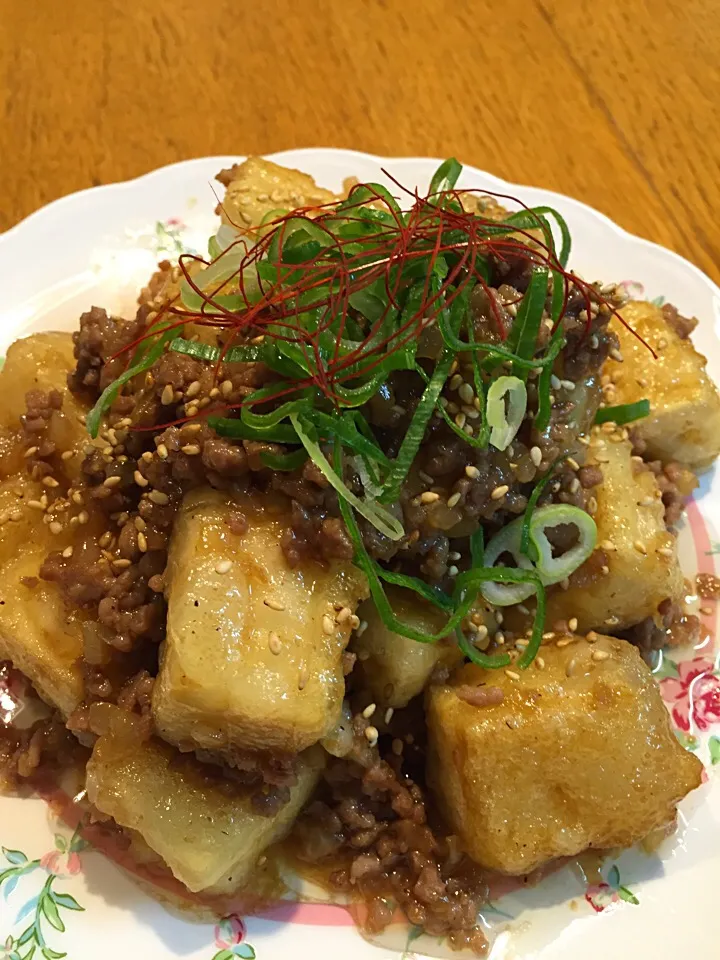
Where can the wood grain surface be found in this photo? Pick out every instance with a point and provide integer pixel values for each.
(615, 102)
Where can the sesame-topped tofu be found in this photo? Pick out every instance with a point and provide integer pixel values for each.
(202, 825)
(253, 651)
(37, 634)
(395, 668)
(635, 566)
(576, 754)
(684, 420)
(257, 187)
(40, 363)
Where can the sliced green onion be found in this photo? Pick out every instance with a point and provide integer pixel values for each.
(433, 595)
(505, 423)
(145, 357)
(499, 593)
(206, 351)
(373, 512)
(233, 427)
(284, 461)
(445, 177)
(554, 569)
(623, 413)
(523, 335)
(531, 504)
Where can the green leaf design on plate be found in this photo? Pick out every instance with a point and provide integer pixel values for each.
(67, 901)
(628, 896)
(14, 856)
(51, 912)
(714, 745)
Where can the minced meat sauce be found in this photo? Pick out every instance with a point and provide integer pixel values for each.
(372, 817)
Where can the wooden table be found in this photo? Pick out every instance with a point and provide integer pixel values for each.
(616, 102)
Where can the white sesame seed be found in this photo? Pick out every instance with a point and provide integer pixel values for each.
(540, 662)
(499, 492)
(564, 642)
(35, 505)
(147, 457)
(536, 455)
(162, 451)
(640, 547)
(111, 482)
(665, 551)
(572, 624)
(193, 390)
(453, 571)
(616, 355)
(142, 542)
(274, 604)
(50, 482)
(67, 552)
(140, 480)
(55, 527)
(466, 393)
(460, 419)
(226, 388)
(555, 382)
(472, 472)
(83, 517)
(191, 449)
(429, 496)
(167, 396)
(328, 625)
(369, 710)
(600, 655)
(157, 496)
(67, 454)
(512, 675)
(224, 566)
(361, 628)
(456, 381)
(389, 714)
(77, 498)
(574, 485)
(647, 502)
(30, 452)
(372, 734)
(453, 501)
(274, 643)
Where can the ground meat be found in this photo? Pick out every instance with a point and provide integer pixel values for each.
(39, 408)
(708, 586)
(683, 326)
(98, 340)
(670, 627)
(372, 818)
(676, 483)
(481, 696)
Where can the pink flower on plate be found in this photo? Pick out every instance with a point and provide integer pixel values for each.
(229, 932)
(601, 895)
(61, 864)
(694, 695)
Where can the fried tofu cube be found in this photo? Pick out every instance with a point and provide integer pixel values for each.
(203, 827)
(638, 553)
(684, 420)
(40, 362)
(37, 634)
(395, 668)
(256, 187)
(577, 755)
(253, 651)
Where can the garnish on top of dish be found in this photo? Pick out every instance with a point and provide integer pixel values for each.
(369, 516)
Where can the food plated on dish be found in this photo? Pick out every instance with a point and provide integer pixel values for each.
(354, 537)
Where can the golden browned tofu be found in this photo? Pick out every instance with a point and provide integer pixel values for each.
(395, 668)
(204, 828)
(253, 653)
(639, 554)
(577, 755)
(40, 362)
(37, 634)
(259, 186)
(684, 420)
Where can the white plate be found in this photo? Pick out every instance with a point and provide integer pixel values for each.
(98, 247)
